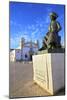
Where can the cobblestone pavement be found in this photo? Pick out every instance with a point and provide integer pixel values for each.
(21, 81)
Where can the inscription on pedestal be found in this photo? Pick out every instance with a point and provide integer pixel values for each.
(40, 71)
(40, 75)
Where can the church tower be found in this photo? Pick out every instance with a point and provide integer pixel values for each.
(22, 41)
(38, 44)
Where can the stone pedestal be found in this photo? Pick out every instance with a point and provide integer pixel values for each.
(48, 70)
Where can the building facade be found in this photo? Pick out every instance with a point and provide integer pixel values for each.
(25, 51)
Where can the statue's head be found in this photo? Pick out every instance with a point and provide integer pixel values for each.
(53, 16)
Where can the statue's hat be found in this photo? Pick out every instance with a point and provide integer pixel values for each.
(53, 14)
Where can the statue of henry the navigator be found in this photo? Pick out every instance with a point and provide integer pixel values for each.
(52, 39)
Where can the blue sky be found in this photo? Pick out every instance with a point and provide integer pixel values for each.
(31, 21)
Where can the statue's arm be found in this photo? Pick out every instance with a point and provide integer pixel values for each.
(59, 26)
(49, 28)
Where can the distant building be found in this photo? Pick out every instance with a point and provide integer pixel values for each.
(25, 51)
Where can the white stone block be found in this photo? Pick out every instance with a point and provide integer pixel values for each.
(48, 71)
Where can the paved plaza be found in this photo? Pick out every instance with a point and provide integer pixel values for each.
(21, 81)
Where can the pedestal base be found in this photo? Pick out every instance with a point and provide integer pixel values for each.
(49, 71)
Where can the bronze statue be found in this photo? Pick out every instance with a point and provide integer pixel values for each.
(52, 39)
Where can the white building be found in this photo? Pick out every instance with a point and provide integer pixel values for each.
(24, 51)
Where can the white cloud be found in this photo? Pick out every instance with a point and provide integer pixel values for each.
(33, 27)
(12, 42)
(34, 32)
(13, 23)
(29, 27)
(18, 25)
(15, 41)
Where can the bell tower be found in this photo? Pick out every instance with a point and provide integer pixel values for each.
(22, 41)
(38, 44)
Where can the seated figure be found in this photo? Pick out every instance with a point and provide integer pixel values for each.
(52, 39)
